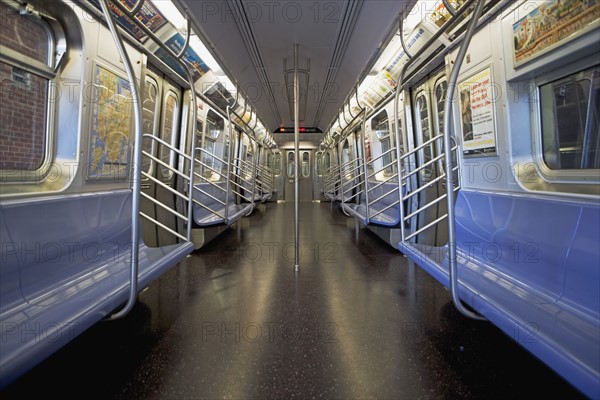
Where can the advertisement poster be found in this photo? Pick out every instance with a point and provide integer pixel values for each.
(148, 15)
(477, 114)
(192, 60)
(441, 15)
(386, 81)
(111, 125)
(552, 23)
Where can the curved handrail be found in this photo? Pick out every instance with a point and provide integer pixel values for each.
(449, 7)
(401, 32)
(452, 262)
(136, 181)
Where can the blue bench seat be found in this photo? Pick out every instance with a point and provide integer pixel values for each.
(531, 265)
(212, 211)
(389, 217)
(65, 266)
(332, 196)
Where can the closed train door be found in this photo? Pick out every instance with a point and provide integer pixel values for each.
(274, 162)
(428, 107)
(161, 115)
(305, 187)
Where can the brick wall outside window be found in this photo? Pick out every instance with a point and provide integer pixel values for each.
(23, 96)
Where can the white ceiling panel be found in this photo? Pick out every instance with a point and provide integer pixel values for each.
(338, 39)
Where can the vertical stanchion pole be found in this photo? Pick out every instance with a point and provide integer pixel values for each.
(296, 158)
(452, 258)
(137, 162)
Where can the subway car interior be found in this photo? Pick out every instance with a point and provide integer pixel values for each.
(343, 199)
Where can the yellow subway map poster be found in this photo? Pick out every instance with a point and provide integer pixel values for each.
(552, 23)
(477, 114)
(111, 125)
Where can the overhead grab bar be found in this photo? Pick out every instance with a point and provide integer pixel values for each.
(186, 44)
(449, 168)
(350, 109)
(425, 47)
(401, 32)
(255, 123)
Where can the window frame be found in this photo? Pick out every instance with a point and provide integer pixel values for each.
(291, 174)
(558, 176)
(319, 163)
(165, 172)
(275, 162)
(152, 81)
(386, 141)
(50, 72)
(307, 175)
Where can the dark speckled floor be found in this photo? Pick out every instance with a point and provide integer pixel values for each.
(234, 321)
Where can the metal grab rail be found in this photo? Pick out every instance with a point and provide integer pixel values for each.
(332, 177)
(165, 186)
(221, 160)
(427, 164)
(332, 184)
(371, 210)
(135, 234)
(245, 169)
(421, 146)
(401, 86)
(350, 168)
(371, 161)
(449, 167)
(137, 157)
(383, 182)
(232, 173)
(265, 180)
(207, 180)
(448, 149)
(405, 180)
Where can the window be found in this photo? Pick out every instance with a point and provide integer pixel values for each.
(571, 121)
(274, 162)
(225, 154)
(441, 90)
(423, 130)
(199, 129)
(215, 125)
(305, 164)
(110, 128)
(150, 106)
(291, 165)
(346, 168)
(380, 126)
(25, 75)
(170, 124)
(319, 164)
(197, 153)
